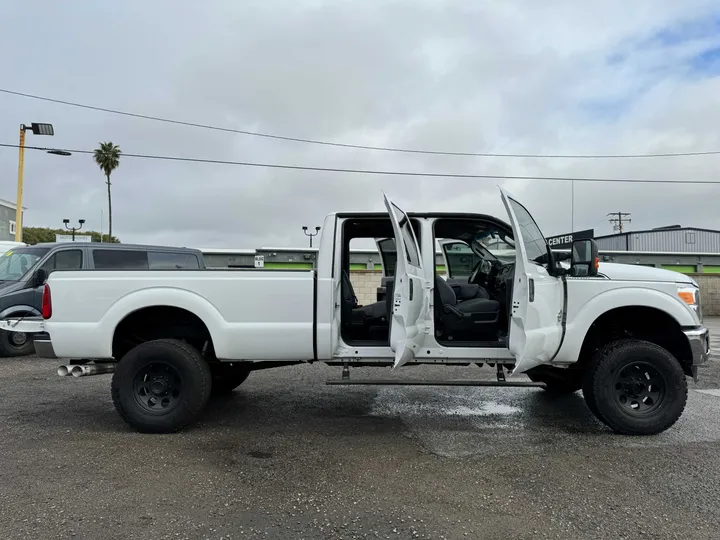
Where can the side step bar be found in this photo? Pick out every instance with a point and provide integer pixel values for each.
(426, 382)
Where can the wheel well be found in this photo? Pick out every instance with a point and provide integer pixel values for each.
(160, 322)
(21, 313)
(645, 323)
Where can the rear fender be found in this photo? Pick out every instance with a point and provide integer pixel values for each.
(156, 297)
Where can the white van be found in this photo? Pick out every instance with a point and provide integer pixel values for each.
(6, 245)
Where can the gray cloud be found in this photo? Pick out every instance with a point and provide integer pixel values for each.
(551, 77)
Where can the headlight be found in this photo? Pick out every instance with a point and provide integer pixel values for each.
(691, 296)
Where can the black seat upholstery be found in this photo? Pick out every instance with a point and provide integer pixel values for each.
(470, 320)
(478, 305)
(363, 322)
(466, 291)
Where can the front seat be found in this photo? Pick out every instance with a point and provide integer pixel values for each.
(471, 320)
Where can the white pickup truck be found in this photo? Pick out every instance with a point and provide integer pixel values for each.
(628, 336)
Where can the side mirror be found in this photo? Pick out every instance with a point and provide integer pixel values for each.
(40, 277)
(584, 260)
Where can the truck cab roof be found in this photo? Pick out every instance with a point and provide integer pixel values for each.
(451, 215)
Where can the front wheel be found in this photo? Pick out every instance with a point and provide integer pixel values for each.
(161, 386)
(16, 344)
(636, 387)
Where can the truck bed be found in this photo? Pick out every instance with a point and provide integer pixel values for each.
(250, 314)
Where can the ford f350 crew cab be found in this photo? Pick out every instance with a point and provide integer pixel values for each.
(627, 336)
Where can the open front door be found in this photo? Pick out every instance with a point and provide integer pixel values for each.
(411, 294)
(536, 314)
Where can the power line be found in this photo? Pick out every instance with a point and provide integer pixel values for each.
(356, 146)
(382, 172)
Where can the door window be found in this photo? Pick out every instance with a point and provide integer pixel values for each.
(460, 259)
(120, 259)
(163, 260)
(67, 259)
(409, 240)
(388, 253)
(532, 238)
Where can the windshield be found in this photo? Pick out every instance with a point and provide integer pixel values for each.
(495, 242)
(15, 263)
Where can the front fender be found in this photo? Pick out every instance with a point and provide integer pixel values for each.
(580, 321)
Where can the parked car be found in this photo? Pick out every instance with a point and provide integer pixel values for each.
(21, 291)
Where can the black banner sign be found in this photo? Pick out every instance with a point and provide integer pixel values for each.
(564, 241)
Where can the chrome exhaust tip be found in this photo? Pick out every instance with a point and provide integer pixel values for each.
(64, 371)
(85, 370)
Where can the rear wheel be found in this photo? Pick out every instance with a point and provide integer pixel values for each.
(161, 386)
(16, 344)
(636, 387)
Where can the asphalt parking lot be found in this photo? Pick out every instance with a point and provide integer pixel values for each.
(288, 457)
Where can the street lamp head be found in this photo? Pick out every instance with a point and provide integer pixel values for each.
(42, 129)
(317, 229)
(66, 221)
(81, 221)
(304, 228)
(57, 152)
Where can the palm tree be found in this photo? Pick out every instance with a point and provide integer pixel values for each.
(107, 158)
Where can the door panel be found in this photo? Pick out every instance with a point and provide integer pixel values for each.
(410, 322)
(535, 324)
(459, 259)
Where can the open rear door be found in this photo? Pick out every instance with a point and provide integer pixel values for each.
(536, 314)
(411, 294)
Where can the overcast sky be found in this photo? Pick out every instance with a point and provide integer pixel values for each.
(547, 77)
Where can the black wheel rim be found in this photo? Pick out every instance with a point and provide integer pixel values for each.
(158, 388)
(18, 339)
(640, 388)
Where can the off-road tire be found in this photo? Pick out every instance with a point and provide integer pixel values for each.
(609, 381)
(187, 370)
(225, 379)
(8, 348)
(590, 397)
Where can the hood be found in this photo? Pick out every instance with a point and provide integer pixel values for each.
(11, 286)
(632, 272)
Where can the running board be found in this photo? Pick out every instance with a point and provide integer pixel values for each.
(422, 382)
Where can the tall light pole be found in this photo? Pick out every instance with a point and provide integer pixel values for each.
(73, 229)
(311, 235)
(37, 129)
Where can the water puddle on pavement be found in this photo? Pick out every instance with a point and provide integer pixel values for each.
(423, 402)
(468, 421)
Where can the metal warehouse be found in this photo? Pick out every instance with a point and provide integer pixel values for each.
(675, 239)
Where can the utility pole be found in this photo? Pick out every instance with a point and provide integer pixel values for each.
(618, 219)
(37, 129)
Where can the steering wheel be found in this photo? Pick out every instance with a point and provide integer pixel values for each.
(472, 280)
